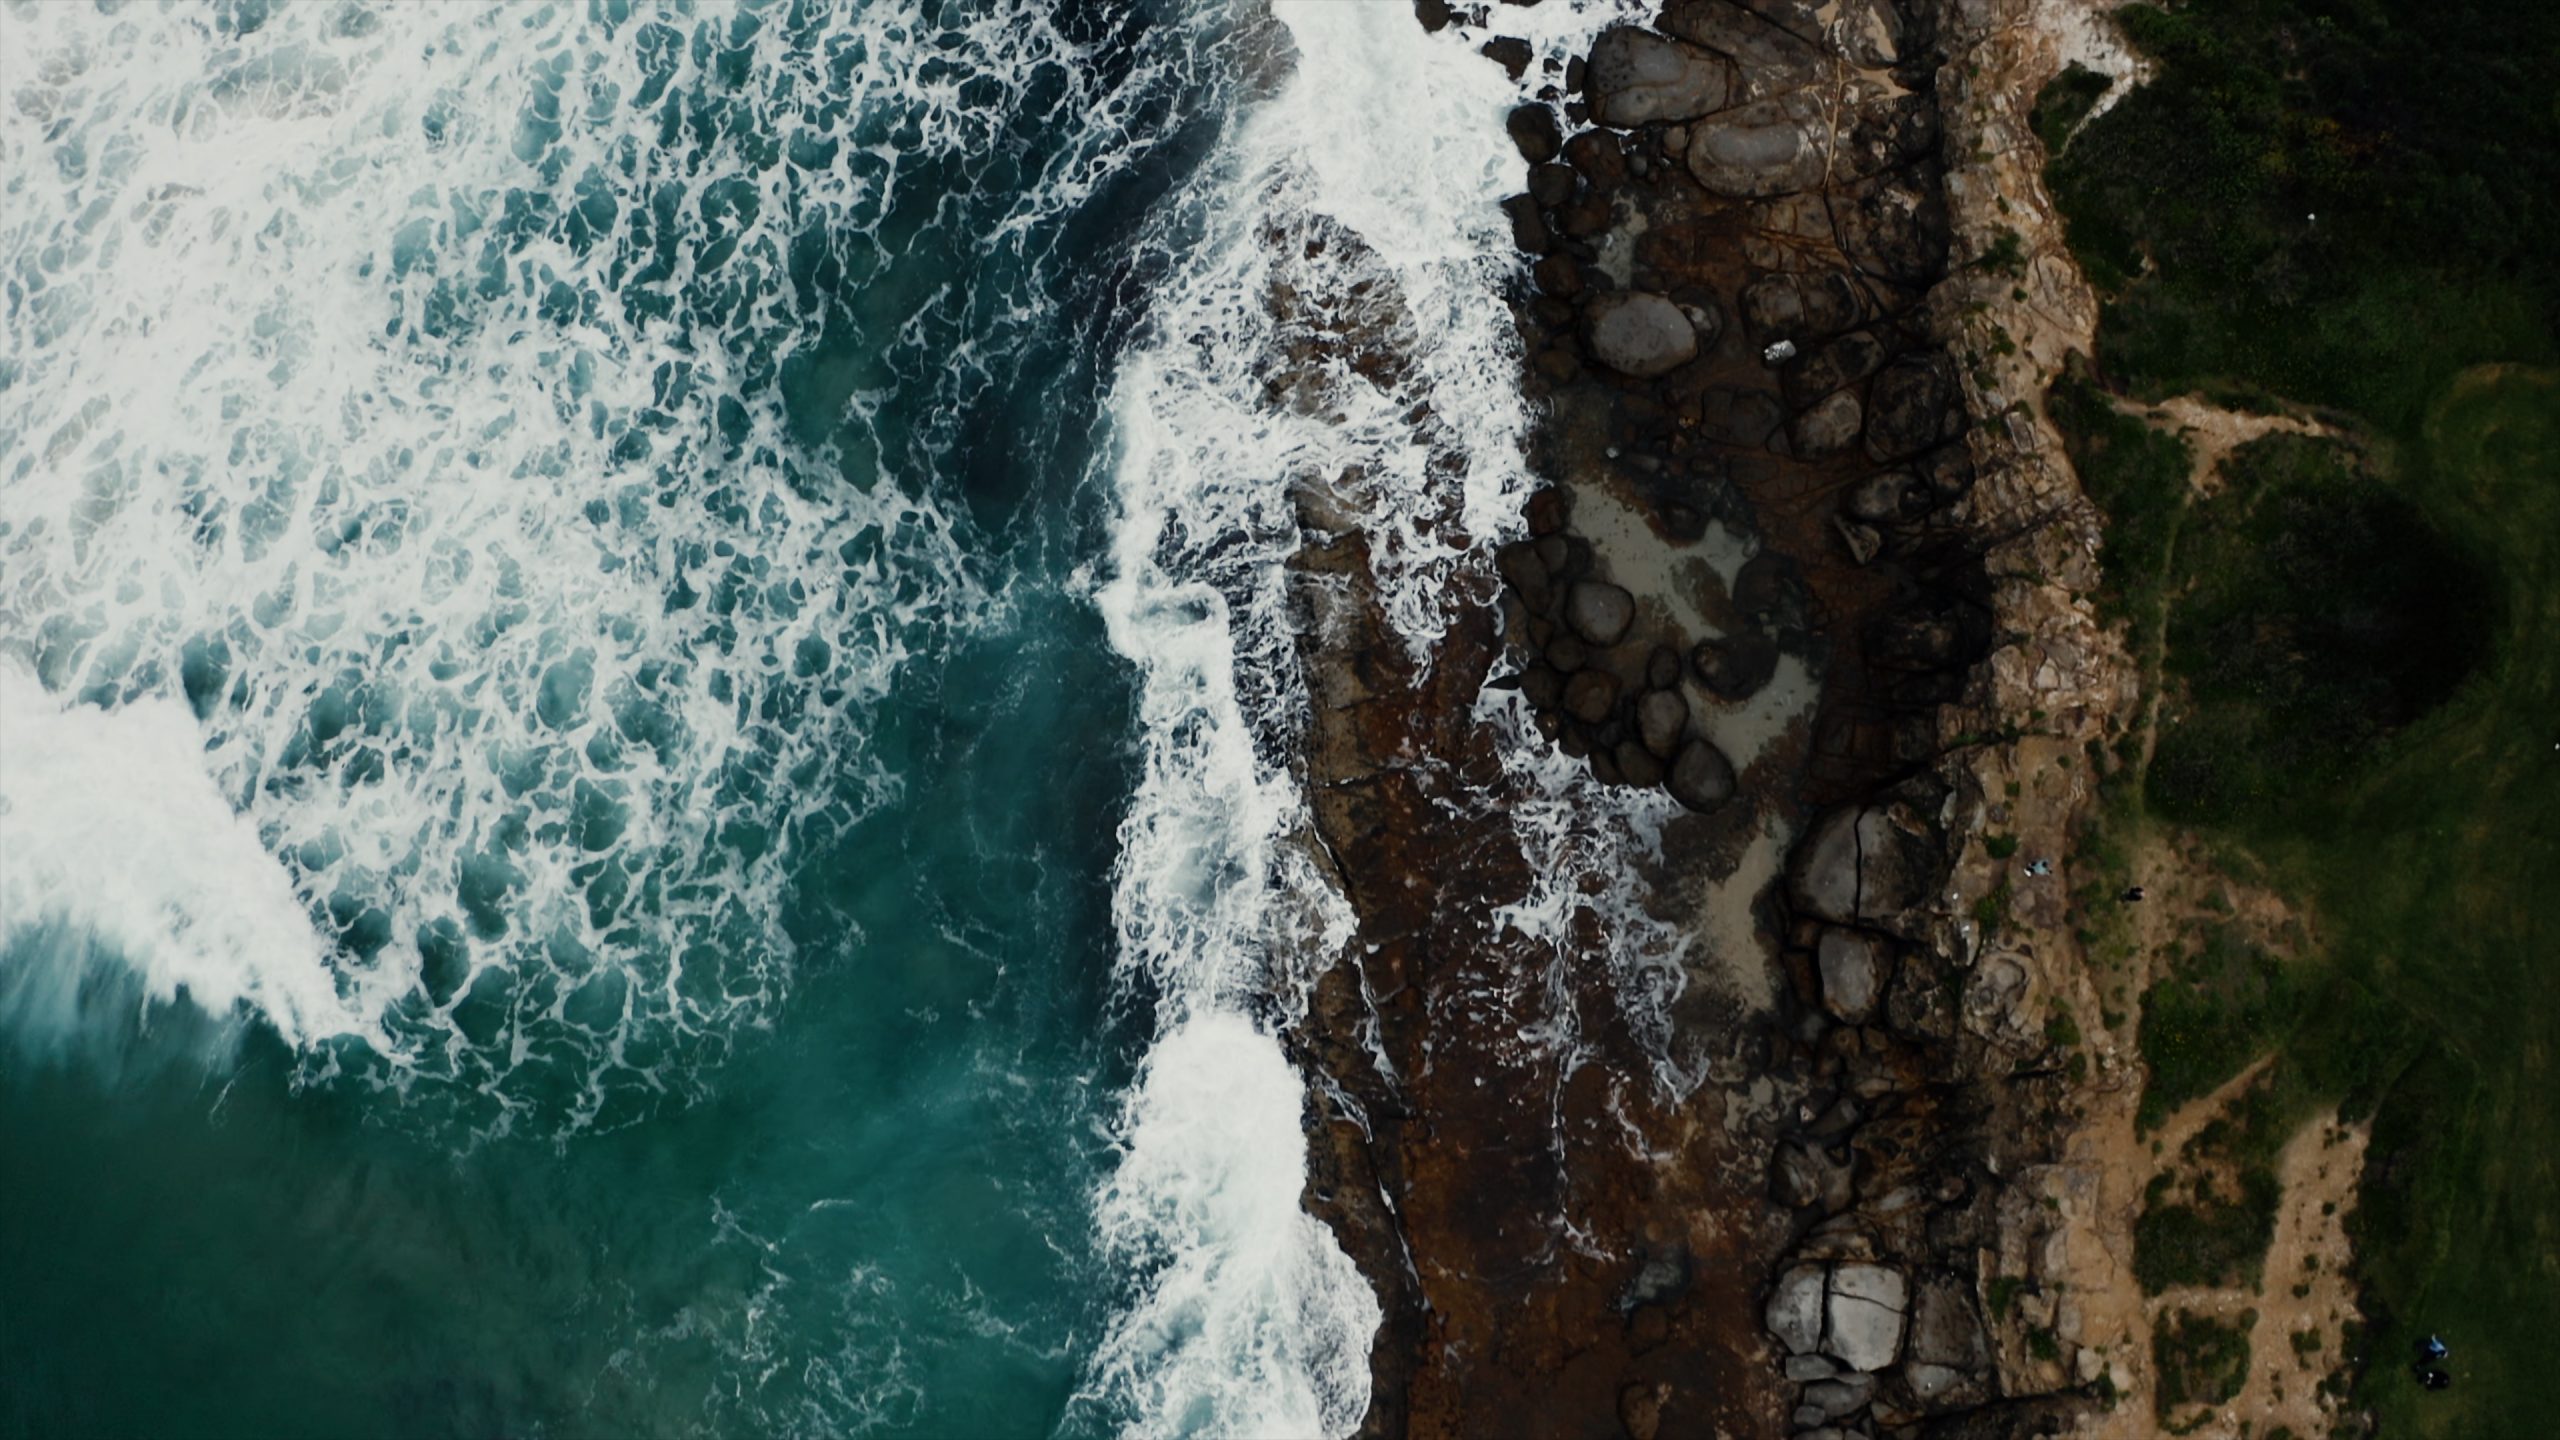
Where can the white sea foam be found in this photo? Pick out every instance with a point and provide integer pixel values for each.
(1354, 212)
(392, 384)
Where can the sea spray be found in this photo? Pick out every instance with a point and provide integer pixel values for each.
(1331, 324)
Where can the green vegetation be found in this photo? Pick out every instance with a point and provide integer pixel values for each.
(2201, 1360)
(2209, 1238)
(2066, 100)
(2358, 647)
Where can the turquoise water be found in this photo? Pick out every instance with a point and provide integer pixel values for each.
(648, 704)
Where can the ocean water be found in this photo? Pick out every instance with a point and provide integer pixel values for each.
(648, 709)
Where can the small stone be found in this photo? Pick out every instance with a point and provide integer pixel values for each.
(1598, 611)
(1552, 185)
(1701, 778)
(1640, 1410)
(1839, 1399)
(1590, 695)
(1509, 52)
(1863, 541)
(1661, 716)
(1548, 511)
(1802, 1368)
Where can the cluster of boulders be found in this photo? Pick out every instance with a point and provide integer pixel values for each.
(1598, 688)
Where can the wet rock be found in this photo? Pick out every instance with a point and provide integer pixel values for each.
(1638, 333)
(1701, 778)
(1552, 185)
(1518, 565)
(1590, 695)
(1801, 307)
(1737, 666)
(1661, 718)
(1843, 361)
(1766, 55)
(1637, 765)
(1794, 1313)
(1805, 1174)
(1533, 128)
(1598, 611)
(1853, 974)
(1528, 227)
(1766, 148)
(1554, 552)
(1604, 767)
(1558, 275)
(1831, 426)
(1636, 77)
(1767, 585)
(1863, 1320)
(1567, 653)
(1662, 670)
(1542, 686)
(1915, 405)
(1897, 229)
(1597, 154)
(1509, 52)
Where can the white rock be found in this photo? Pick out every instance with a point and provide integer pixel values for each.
(1795, 1309)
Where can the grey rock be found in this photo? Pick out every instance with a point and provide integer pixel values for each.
(1636, 77)
(1598, 611)
(1831, 426)
(1845, 360)
(1840, 1399)
(1766, 148)
(1853, 973)
(1638, 333)
(1944, 1328)
(1863, 1319)
(1864, 543)
(1888, 498)
(1863, 866)
(1701, 778)
(1801, 307)
(1590, 695)
(1806, 1174)
(1802, 1368)
(1662, 668)
(1552, 185)
(1567, 653)
(1768, 58)
(1661, 716)
(1794, 1313)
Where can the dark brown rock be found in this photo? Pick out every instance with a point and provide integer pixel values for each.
(1736, 666)
(1636, 77)
(1598, 611)
(1590, 695)
(1636, 765)
(1662, 718)
(1701, 778)
(1533, 128)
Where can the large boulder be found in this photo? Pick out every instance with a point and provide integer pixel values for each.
(1639, 333)
(1636, 77)
(1914, 406)
(1798, 307)
(1701, 778)
(1768, 58)
(1950, 1355)
(1768, 147)
(1864, 866)
(1598, 611)
(1831, 426)
(1736, 666)
(1864, 1316)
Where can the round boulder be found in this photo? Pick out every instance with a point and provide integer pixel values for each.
(1737, 666)
(1590, 695)
(1701, 778)
(1598, 611)
(1639, 333)
(1661, 717)
(1636, 77)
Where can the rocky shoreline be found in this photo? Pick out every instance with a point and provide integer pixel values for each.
(1803, 568)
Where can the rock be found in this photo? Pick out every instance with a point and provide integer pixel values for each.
(1839, 1399)
(1766, 148)
(1767, 584)
(1542, 686)
(1801, 307)
(1554, 552)
(1863, 541)
(1636, 77)
(1558, 275)
(1597, 154)
(1794, 1313)
(1853, 973)
(1590, 695)
(1863, 866)
(1801, 1368)
(1640, 1409)
(1661, 717)
(1567, 653)
(1662, 670)
(1552, 185)
(1549, 509)
(1598, 611)
(1636, 332)
(1509, 52)
(1944, 1328)
(1864, 1317)
(1805, 1174)
(1636, 764)
(1701, 778)
(1831, 426)
(1913, 408)
(1604, 768)
(1887, 499)
(1736, 666)
(1518, 564)
(1533, 128)
(1845, 360)
(1740, 417)
(1768, 58)
(1528, 228)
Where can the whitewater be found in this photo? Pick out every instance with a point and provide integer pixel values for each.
(647, 696)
